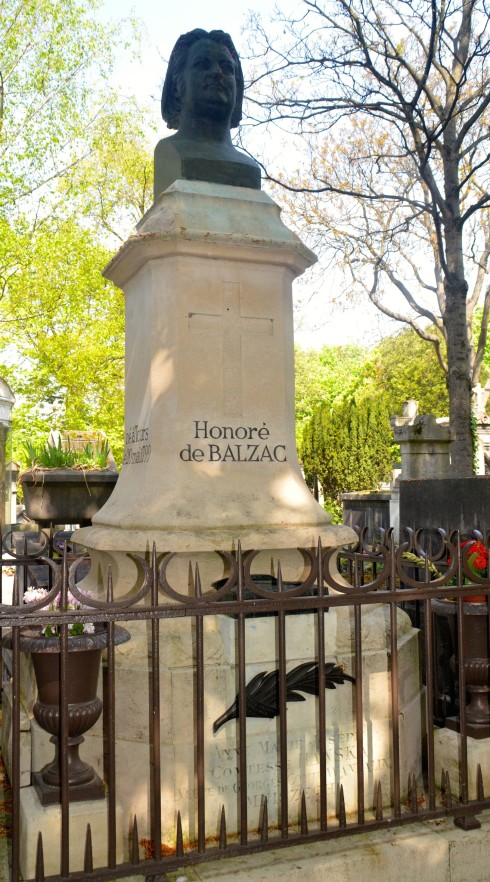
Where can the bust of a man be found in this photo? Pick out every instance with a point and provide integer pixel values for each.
(202, 99)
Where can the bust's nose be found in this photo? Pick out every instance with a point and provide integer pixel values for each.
(215, 70)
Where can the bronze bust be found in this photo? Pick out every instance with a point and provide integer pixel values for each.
(202, 99)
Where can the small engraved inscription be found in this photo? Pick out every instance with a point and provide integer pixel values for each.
(137, 448)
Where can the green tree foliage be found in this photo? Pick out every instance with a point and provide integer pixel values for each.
(76, 170)
(400, 367)
(405, 366)
(348, 445)
(345, 396)
(322, 375)
(113, 186)
(63, 343)
(55, 59)
(478, 325)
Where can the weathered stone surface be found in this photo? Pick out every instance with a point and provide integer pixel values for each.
(424, 444)
(447, 754)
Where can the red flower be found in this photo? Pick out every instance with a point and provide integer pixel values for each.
(477, 557)
(477, 564)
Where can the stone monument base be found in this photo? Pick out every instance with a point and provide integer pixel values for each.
(447, 753)
(117, 539)
(35, 819)
(222, 749)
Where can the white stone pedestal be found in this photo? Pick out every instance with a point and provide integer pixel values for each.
(210, 453)
(447, 756)
(35, 819)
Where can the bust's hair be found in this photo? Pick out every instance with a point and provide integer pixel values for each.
(171, 105)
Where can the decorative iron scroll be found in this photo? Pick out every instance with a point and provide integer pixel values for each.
(429, 561)
(262, 693)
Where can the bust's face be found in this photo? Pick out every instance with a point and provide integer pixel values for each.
(207, 86)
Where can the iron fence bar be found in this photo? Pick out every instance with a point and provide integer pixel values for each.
(282, 690)
(429, 699)
(395, 726)
(15, 754)
(359, 713)
(242, 708)
(64, 729)
(172, 863)
(433, 667)
(156, 768)
(201, 821)
(282, 605)
(110, 727)
(110, 723)
(462, 702)
(322, 747)
(22, 617)
(460, 622)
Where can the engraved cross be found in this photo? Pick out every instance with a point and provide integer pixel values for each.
(233, 326)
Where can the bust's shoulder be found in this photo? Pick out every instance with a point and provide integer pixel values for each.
(180, 158)
(177, 145)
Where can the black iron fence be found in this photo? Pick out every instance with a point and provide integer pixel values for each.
(254, 712)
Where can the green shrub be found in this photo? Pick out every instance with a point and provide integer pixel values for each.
(349, 445)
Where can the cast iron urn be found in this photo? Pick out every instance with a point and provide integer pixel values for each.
(84, 707)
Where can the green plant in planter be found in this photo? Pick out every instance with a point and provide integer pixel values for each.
(46, 455)
(67, 480)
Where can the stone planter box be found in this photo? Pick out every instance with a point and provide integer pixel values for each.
(66, 496)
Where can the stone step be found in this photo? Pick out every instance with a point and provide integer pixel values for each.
(448, 853)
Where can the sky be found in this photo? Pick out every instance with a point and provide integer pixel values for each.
(162, 24)
(318, 320)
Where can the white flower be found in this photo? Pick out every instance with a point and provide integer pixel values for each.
(89, 628)
(33, 594)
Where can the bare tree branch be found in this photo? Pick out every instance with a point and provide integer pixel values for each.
(416, 76)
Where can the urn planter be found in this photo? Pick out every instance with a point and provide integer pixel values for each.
(476, 662)
(84, 706)
(66, 496)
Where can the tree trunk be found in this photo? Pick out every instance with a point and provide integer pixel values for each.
(459, 377)
(457, 327)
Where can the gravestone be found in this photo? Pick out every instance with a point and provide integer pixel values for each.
(210, 459)
(424, 444)
(370, 509)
